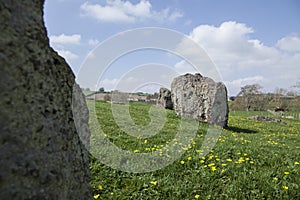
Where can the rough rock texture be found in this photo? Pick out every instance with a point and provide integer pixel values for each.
(266, 119)
(164, 99)
(200, 98)
(41, 155)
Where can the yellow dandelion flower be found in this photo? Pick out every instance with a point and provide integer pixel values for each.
(296, 163)
(285, 187)
(136, 151)
(189, 158)
(145, 141)
(275, 178)
(197, 196)
(213, 168)
(286, 173)
(211, 164)
(245, 154)
(202, 161)
(217, 159)
(229, 160)
(153, 182)
(224, 165)
(100, 187)
(205, 166)
(96, 196)
(251, 162)
(247, 159)
(182, 162)
(203, 158)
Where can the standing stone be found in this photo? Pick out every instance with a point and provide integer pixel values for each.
(164, 99)
(41, 154)
(200, 98)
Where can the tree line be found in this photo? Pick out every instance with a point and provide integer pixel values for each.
(251, 97)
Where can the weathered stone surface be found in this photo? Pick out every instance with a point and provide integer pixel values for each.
(41, 155)
(200, 98)
(164, 99)
(266, 119)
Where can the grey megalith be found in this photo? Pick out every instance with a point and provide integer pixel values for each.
(42, 156)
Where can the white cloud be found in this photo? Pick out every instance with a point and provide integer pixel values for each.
(65, 39)
(289, 43)
(200, 62)
(93, 42)
(127, 12)
(109, 84)
(229, 38)
(105, 13)
(175, 15)
(237, 55)
(246, 81)
(68, 55)
(59, 43)
(141, 9)
(236, 85)
(184, 67)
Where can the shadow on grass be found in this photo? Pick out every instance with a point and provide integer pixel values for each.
(240, 130)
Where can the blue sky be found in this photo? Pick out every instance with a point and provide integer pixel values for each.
(249, 41)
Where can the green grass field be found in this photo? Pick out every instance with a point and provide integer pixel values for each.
(251, 160)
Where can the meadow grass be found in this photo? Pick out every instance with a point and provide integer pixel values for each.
(251, 160)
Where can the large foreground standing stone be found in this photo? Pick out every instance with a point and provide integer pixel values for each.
(200, 98)
(41, 154)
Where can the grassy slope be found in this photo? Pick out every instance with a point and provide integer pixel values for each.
(248, 162)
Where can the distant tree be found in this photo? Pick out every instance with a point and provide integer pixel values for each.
(155, 95)
(291, 93)
(297, 86)
(232, 98)
(278, 96)
(249, 95)
(260, 101)
(101, 90)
